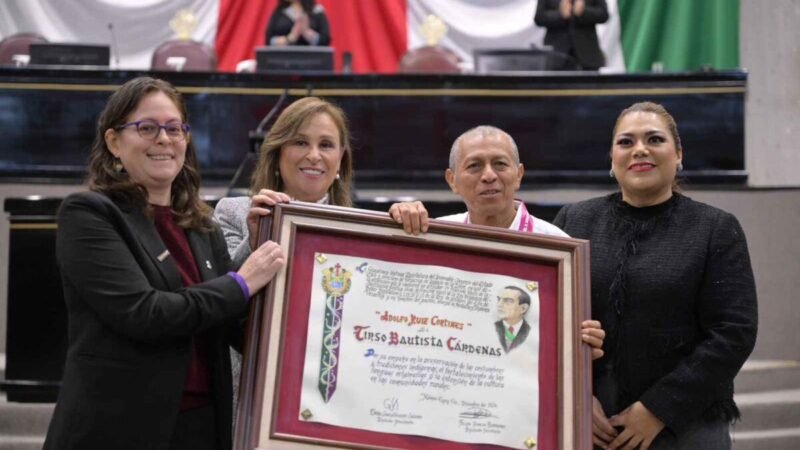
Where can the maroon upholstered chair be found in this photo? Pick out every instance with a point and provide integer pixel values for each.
(429, 59)
(187, 56)
(18, 44)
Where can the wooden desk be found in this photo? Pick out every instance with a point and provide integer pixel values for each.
(402, 125)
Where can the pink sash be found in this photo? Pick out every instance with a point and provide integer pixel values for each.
(525, 220)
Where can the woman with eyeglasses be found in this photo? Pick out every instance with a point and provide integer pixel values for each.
(152, 305)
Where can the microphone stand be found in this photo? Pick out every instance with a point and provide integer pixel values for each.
(256, 138)
(114, 48)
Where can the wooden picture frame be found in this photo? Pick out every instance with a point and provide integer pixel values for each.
(272, 369)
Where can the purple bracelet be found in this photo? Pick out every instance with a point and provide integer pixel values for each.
(241, 283)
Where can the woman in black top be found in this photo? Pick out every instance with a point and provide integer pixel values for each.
(298, 22)
(673, 286)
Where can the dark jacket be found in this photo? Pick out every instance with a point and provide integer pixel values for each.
(519, 338)
(673, 286)
(130, 328)
(575, 36)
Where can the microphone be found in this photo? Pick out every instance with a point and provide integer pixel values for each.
(114, 50)
(271, 113)
(347, 62)
(256, 138)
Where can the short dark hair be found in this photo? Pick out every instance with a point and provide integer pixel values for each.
(524, 298)
(190, 211)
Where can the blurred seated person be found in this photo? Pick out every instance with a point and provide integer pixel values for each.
(571, 28)
(298, 22)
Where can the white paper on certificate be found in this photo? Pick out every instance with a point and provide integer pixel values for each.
(423, 350)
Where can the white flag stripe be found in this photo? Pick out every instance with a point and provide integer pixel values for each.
(138, 27)
(609, 35)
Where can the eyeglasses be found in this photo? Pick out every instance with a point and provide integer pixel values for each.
(150, 129)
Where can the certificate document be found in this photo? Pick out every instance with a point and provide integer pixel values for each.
(422, 350)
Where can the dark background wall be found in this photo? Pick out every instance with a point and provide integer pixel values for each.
(770, 218)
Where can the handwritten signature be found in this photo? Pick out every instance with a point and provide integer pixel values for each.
(475, 413)
(391, 403)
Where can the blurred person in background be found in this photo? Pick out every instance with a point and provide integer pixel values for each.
(571, 28)
(298, 22)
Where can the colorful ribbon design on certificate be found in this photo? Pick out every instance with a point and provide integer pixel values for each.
(336, 283)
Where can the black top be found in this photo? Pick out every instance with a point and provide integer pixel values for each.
(674, 289)
(282, 21)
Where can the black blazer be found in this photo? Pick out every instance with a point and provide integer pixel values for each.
(673, 286)
(524, 329)
(130, 327)
(576, 36)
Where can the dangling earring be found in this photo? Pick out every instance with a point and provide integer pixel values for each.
(118, 165)
(337, 176)
(611, 173)
(680, 167)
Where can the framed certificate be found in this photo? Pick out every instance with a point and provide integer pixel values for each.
(465, 337)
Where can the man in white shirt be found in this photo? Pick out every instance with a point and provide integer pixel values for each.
(485, 172)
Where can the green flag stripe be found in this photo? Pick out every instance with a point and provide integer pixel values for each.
(684, 35)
